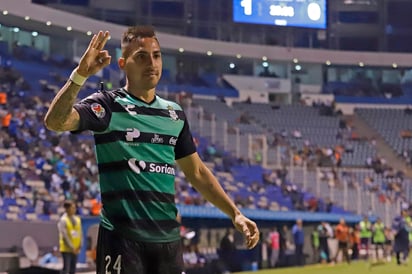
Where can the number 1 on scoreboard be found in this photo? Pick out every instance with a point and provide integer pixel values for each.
(247, 6)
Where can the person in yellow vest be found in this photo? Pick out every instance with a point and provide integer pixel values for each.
(365, 236)
(379, 238)
(70, 237)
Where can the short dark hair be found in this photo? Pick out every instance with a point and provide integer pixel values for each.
(136, 33)
(67, 204)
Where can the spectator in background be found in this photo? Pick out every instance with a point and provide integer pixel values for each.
(401, 230)
(227, 249)
(6, 119)
(95, 206)
(244, 118)
(406, 133)
(365, 227)
(297, 134)
(313, 205)
(273, 241)
(324, 235)
(286, 241)
(355, 242)
(329, 205)
(342, 235)
(210, 153)
(299, 239)
(3, 98)
(389, 235)
(70, 237)
(408, 110)
(378, 238)
(193, 261)
(315, 242)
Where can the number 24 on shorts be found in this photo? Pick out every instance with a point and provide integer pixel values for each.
(116, 266)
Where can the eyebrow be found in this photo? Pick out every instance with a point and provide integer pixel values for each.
(145, 52)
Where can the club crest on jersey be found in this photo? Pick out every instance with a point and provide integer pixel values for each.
(98, 110)
(172, 113)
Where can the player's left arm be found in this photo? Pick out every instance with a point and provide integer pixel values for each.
(202, 179)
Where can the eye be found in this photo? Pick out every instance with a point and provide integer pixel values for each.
(139, 56)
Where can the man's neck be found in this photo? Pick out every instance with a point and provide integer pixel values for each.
(144, 95)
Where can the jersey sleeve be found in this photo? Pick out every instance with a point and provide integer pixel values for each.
(94, 111)
(184, 145)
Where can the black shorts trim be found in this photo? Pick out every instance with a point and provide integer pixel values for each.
(117, 254)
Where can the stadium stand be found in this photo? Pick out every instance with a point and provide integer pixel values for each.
(317, 129)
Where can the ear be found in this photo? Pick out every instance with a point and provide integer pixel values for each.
(121, 62)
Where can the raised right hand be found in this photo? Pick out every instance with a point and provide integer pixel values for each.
(94, 58)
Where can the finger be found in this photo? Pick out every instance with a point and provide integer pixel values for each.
(254, 237)
(103, 54)
(104, 57)
(98, 40)
(246, 233)
(244, 228)
(253, 241)
(106, 60)
(92, 41)
(102, 41)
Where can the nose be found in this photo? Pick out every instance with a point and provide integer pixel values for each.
(151, 60)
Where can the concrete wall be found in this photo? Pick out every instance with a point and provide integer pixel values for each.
(12, 234)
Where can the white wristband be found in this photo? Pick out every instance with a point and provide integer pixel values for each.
(77, 78)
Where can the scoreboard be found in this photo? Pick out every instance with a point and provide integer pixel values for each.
(293, 13)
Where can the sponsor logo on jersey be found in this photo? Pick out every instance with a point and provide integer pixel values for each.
(157, 139)
(172, 141)
(130, 109)
(98, 110)
(136, 166)
(164, 169)
(139, 166)
(132, 133)
(172, 113)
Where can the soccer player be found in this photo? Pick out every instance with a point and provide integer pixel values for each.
(138, 137)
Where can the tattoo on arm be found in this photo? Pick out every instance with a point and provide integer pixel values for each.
(61, 116)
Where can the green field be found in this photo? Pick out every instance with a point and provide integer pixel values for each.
(354, 268)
